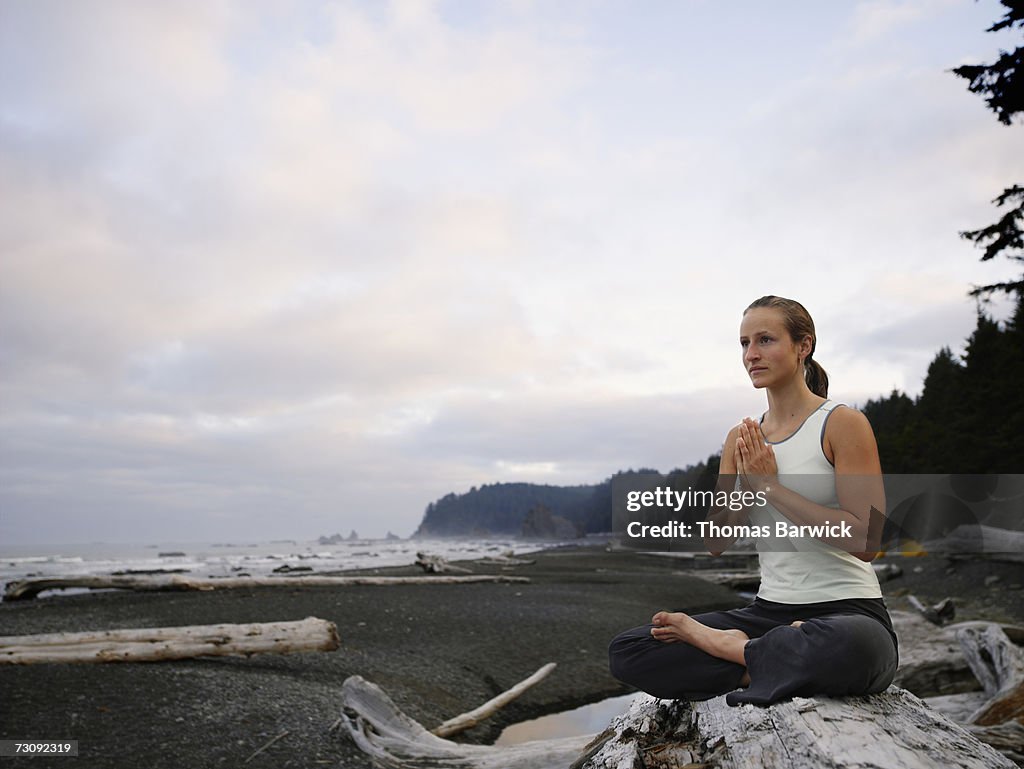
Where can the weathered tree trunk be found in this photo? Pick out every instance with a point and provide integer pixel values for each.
(1007, 738)
(392, 739)
(749, 579)
(171, 643)
(892, 730)
(980, 542)
(30, 588)
(932, 661)
(999, 666)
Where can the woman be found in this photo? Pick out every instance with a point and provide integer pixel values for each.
(818, 624)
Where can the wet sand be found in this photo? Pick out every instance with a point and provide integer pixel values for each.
(437, 650)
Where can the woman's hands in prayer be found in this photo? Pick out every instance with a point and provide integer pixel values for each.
(755, 459)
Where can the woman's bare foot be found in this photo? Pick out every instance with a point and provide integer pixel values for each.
(677, 626)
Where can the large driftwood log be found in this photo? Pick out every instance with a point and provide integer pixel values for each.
(892, 730)
(29, 588)
(749, 579)
(932, 659)
(932, 662)
(949, 666)
(171, 643)
(999, 666)
(995, 661)
(980, 541)
(468, 720)
(957, 707)
(392, 739)
(1007, 738)
(889, 730)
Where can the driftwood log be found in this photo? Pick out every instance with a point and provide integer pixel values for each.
(435, 564)
(1007, 738)
(887, 571)
(29, 588)
(468, 720)
(980, 542)
(393, 739)
(970, 673)
(892, 730)
(999, 666)
(749, 579)
(932, 662)
(941, 613)
(507, 559)
(171, 643)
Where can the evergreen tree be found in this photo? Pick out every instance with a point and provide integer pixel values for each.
(940, 416)
(1002, 84)
(993, 396)
(892, 420)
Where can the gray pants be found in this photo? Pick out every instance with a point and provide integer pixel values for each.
(843, 647)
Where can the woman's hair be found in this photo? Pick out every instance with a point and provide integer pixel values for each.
(799, 325)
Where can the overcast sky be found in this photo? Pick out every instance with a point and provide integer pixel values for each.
(274, 269)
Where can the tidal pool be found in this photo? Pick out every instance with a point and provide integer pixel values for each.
(588, 719)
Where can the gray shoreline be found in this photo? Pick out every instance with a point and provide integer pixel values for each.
(437, 650)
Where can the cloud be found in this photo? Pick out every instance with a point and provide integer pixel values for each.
(275, 267)
(874, 19)
(123, 477)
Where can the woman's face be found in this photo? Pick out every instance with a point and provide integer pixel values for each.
(769, 354)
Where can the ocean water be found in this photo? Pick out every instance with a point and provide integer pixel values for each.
(222, 559)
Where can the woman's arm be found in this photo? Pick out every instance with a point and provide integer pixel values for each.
(723, 516)
(859, 486)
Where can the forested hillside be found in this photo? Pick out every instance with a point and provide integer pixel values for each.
(525, 509)
(969, 417)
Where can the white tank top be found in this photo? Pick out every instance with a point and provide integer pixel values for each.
(812, 571)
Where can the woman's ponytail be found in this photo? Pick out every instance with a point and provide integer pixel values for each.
(816, 378)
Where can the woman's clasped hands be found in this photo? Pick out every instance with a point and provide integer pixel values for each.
(755, 459)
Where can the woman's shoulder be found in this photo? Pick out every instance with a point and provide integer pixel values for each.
(848, 434)
(842, 417)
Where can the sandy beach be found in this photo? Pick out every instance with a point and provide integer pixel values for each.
(437, 650)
